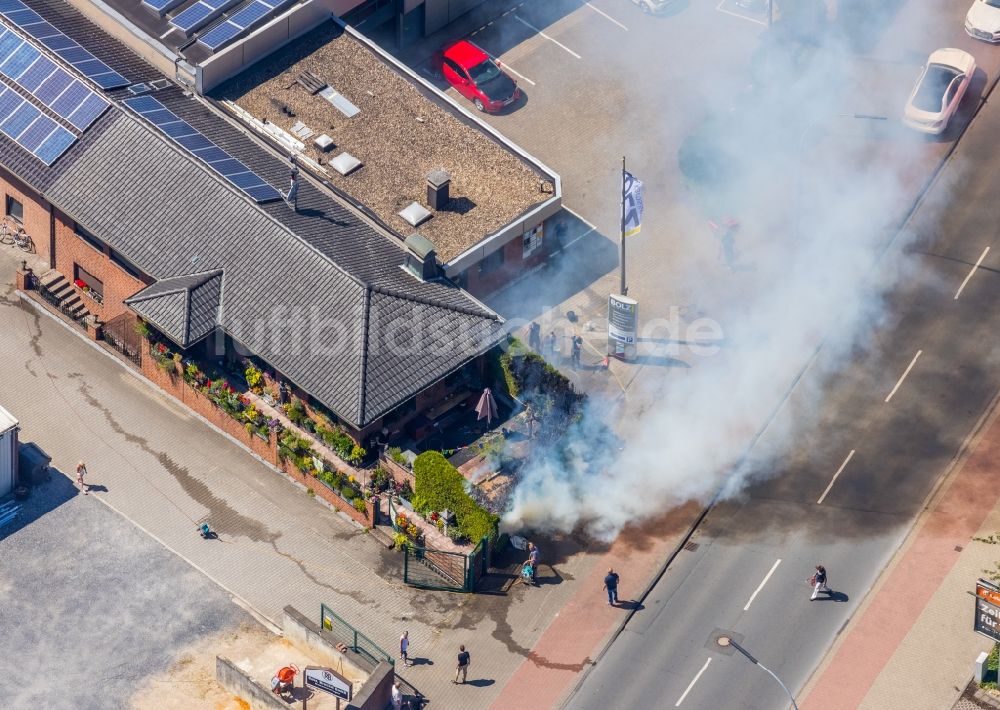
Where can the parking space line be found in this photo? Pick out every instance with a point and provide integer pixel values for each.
(542, 34)
(905, 373)
(736, 14)
(606, 16)
(973, 271)
(688, 690)
(515, 71)
(757, 590)
(834, 479)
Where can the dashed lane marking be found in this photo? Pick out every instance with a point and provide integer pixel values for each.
(691, 685)
(761, 586)
(971, 273)
(834, 479)
(905, 373)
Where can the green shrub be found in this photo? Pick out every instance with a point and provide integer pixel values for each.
(441, 487)
(359, 505)
(396, 455)
(357, 454)
(400, 541)
(348, 493)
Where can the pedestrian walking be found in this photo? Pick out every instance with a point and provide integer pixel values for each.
(818, 582)
(611, 584)
(533, 561)
(551, 345)
(462, 668)
(535, 337)
(577, 347)
(81, 471)
(404, 648)
(397, 696)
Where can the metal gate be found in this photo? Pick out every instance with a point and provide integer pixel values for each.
(120, 334)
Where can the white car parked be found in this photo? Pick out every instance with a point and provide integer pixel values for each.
(983, 20)
(939, 90)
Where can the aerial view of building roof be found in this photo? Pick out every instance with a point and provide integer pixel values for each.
(318, 292)
(397, 132)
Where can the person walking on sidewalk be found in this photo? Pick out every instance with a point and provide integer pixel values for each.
(818, 582)
(81, 471)
(397, 696)
(404, 648)
(533, 561)
(463, 664)
(611, 584)
(577, 347)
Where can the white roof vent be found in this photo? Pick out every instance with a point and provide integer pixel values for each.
(416, 214)
(345, 163)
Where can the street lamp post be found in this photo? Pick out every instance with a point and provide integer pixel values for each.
(726, 641)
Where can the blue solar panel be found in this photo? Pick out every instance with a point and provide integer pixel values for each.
(192, 18)
(161, 7)
(250, 14)
(19, 60)
(218, 36)
(200, 147)
(36, 133)
(88, 112)
(32, 130)
(36, 26)
(70, 99)
(53, 86)
(37, 73)
(18, 121)
(8, 43)
(55, 145)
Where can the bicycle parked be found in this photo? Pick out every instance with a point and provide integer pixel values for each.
(13, 233)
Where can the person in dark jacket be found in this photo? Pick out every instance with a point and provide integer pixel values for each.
(611, 584)
(819, 582)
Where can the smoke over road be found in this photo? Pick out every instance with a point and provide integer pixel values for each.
(816, 199)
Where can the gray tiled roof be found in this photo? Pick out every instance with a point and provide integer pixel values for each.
(185, 308)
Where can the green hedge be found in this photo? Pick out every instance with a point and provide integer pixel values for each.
(526, 372)
(442, 487)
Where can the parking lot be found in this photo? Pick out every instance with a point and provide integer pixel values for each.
(601, 80)
(91, 607)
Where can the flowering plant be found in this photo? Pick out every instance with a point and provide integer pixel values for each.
(80, 283)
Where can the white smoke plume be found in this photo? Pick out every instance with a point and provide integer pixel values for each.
(816, 208)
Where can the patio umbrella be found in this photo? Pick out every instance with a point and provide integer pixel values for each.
(487, 407)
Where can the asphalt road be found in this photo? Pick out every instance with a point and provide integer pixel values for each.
(895, 453)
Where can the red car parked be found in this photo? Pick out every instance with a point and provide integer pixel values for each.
(477, 77)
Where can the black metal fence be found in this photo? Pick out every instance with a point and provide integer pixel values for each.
(351, 637)
(120, 334)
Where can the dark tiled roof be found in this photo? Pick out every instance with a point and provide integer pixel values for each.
(317, 294)
(185, 308)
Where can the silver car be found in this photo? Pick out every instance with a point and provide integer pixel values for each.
(655, 7)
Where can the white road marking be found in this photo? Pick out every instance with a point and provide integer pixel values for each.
(505, 65)
(542, 34)
(757, 590)
(736, 14)
(606, 16)
(973, 271)
(703, 668)
(907, 372)
(834, 480)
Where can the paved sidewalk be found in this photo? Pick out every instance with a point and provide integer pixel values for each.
(160, 466)
(911, 645)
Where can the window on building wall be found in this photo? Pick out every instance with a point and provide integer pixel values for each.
(532, 241)
(493, 262)
(88, 237)
(15, 210)
(88, 283)
(125, 265)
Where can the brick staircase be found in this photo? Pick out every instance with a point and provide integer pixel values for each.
(55, 289)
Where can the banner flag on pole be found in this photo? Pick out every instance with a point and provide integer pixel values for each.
(632, 204)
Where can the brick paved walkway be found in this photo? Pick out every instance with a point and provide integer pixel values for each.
(911, 644)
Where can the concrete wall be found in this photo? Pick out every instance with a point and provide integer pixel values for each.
(275, 34)
(243, 686)
(375, 694)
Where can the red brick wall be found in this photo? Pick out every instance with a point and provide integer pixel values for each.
(118, 285)
(513, 266)
(366, 518)
(36, 211)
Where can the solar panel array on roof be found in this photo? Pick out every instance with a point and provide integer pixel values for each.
(239, 22)
(31, 129)
(200, 14)
(202, 148)
(68, 49)
(161, 7)
(68, 97)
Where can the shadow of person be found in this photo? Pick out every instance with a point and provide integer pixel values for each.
(481, 682)
(630, 605)
(421, 662)
(96, 488)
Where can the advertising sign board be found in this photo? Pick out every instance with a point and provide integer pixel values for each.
(987, 620)
(329, 681)
(623, 326)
